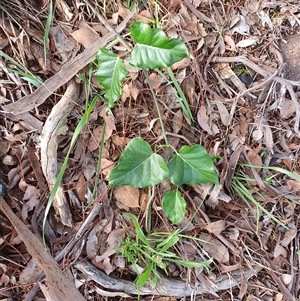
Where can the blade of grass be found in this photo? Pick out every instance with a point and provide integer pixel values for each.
(139, 232)
(182, 99)
(21, 70)
(47, 29)
(77, 131)
(278, 169)
(244, 193)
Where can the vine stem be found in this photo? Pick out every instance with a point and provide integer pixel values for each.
(157, 108)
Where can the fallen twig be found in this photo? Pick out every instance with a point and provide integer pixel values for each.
(71, 68)
(59, 287)
(165, 286)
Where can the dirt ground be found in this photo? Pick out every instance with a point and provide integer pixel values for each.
(65, 232)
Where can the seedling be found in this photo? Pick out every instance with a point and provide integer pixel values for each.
(140, 167)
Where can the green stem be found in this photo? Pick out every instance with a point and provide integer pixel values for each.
(157, 108)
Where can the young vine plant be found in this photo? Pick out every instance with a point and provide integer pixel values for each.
(138, 165)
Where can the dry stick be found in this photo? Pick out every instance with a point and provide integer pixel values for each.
(197, 13)
(257, 69)
(55, 120)
(71, 68)
(59, 285)
(165, 286)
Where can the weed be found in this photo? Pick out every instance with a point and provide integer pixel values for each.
(240, 185)
(153, 253)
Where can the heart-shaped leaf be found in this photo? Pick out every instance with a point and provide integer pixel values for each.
(192, 165)
(174, 206)
(111, 72)
(138, 166)
(153, 48)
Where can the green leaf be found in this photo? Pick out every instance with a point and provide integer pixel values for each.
(169, 241)
(144, 277)
(139, 232)
(192, 165)
(192, 264)
(111, 72)
(138, 166)
(153, 48)
(174, 206)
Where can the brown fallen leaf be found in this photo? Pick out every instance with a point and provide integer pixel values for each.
(214, 248)
(85, 35)
(128, 196)
(203, 120)
(216, 227)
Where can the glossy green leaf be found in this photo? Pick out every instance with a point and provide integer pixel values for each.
(153, 49)
(138, 166)
(174, 206)
(192, 165)
(110, 74)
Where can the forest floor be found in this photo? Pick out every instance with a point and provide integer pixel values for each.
(89, 240)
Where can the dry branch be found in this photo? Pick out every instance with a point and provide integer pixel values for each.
(71, 68)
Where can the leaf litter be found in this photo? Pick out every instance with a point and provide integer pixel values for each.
(255, 258)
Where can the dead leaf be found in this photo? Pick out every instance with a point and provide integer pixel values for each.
(65, 44)
(255, 158)
(128, 196)
(97, 136)
(81, 188)
(177, 121)
(32, 196)
(113, 241)
(203, 120)
(85, 35)
(155, 80)
(225, 116)
(106, 167)
(65, 10)
(230, 45)
(246, 43)
(216, 227)
(4, 280)
(214, 248)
